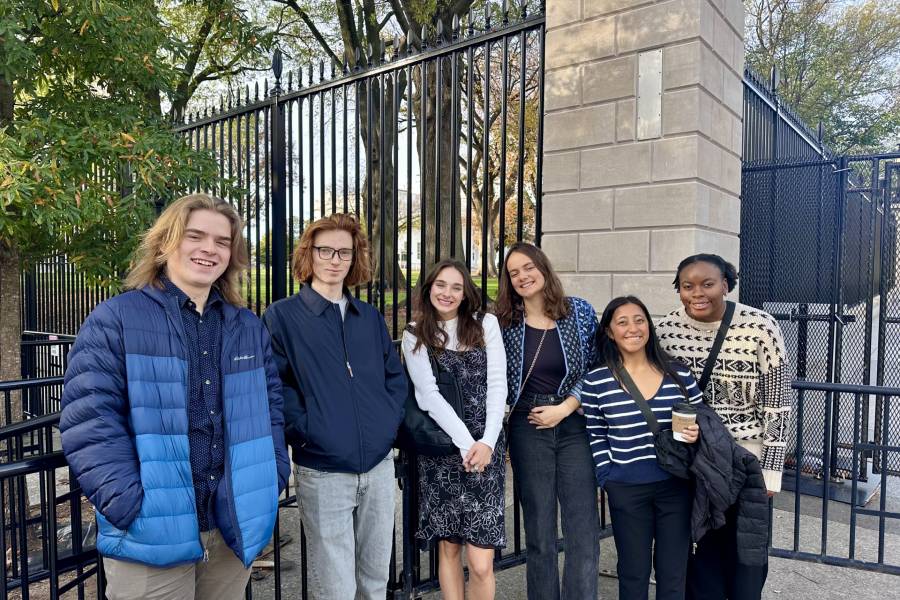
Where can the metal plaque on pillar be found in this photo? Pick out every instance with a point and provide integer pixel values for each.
(649, 99)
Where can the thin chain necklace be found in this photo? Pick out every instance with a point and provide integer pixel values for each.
(536, 354)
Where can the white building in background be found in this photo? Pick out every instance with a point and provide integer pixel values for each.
(413, 260)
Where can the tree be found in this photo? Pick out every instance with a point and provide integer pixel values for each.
(84, 158)
(212, 41)
(839, 63)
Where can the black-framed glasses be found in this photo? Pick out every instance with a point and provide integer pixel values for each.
(327, 253)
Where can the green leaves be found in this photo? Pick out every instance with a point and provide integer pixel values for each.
(82, 130)
(839, 63)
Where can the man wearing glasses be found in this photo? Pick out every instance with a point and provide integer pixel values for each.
(344, 390)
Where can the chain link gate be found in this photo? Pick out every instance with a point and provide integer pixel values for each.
(818, 252)
(887, 432)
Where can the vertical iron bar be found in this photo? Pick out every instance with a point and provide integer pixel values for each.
(470, 123)
(382, 154)
(333, 151)
(369, 160)
(486, 225)
(798, 458)
(256, 216)
(454, 150)
(438, 117)
(826, 468)
(312, 152)
(52, 551)
(409, 218)
(395, 226)
(344, 91)
(854, 475)
(520, 183)
(504, 95)
(422, 125)
(882, 503)
(356, 141)
(289, 126)
(277, 208)
(322, 181)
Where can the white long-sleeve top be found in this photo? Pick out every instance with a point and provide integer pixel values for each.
(429, 397)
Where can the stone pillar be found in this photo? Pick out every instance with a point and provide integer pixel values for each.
(642, 145)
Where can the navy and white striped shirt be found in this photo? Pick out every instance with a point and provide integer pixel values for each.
(621, 441)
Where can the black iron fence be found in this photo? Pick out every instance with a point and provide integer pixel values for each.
(433, 141)
(848, 536)
(819, 250)
(772, 130)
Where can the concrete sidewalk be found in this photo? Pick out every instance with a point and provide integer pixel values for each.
(788, 579)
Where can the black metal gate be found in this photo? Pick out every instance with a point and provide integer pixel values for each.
(819, 251)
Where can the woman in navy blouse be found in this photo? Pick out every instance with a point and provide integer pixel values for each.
(646, 503)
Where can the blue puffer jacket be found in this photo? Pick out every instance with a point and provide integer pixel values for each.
(124, 431)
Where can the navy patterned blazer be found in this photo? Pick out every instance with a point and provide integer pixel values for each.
(576, 333)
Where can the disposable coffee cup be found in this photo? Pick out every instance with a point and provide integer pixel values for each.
(683, 415)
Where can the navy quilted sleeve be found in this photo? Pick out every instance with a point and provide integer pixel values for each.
(586, 320)
(96, 437)
(276, 413)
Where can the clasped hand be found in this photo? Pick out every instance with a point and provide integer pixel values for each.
(477, 458)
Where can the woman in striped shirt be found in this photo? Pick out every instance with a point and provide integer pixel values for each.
(646, 503)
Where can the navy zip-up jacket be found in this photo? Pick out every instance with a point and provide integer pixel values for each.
(344, 386)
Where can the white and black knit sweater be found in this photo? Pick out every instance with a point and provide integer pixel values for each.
(750, 382)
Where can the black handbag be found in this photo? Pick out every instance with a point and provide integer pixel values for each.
(673, 456)
(419, 433)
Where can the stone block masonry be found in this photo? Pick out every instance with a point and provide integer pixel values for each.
(642, 166)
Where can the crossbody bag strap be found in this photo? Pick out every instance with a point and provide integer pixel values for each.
(717, 345)
(638, 398)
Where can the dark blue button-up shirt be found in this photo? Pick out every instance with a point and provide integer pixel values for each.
(203, 334)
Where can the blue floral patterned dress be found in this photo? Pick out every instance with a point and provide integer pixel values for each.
(465, 508)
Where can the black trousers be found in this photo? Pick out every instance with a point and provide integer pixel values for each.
(653, 516)
(550, 466)
(714, 572)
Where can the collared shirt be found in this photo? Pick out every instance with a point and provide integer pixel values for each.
(203, 334)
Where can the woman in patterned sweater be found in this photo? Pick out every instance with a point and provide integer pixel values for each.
(749, 388)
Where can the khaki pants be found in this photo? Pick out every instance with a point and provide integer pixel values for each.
(223, 577)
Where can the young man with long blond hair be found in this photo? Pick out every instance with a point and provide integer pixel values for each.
(344, 392)
(172, 415)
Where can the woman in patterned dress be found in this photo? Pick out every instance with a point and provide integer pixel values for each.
(461, 496)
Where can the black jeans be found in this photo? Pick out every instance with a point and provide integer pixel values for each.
(551, 465)
(645, 513)
(714, 572)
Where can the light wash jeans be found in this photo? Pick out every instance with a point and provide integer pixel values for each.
(349, 525)
(223, 577)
